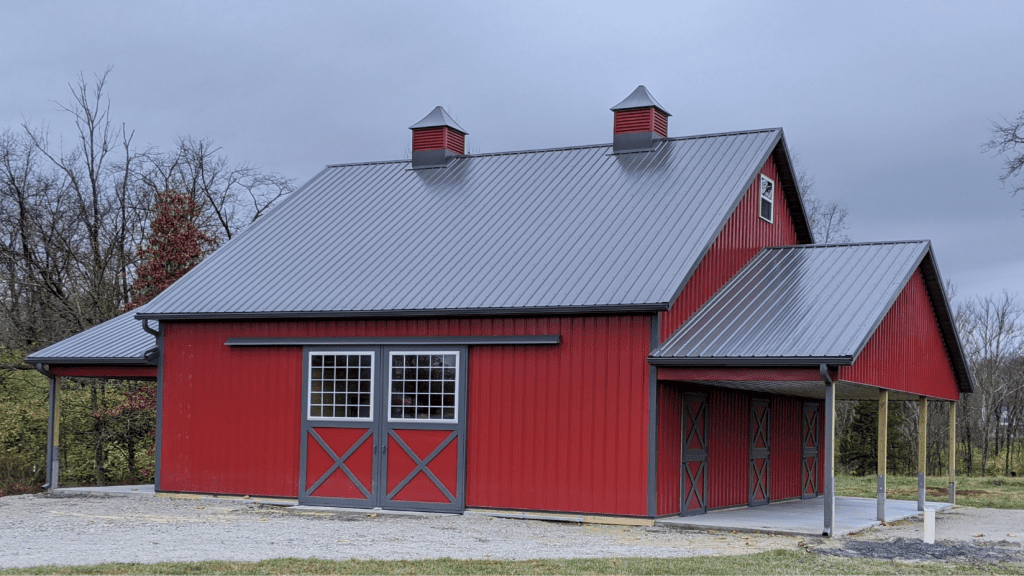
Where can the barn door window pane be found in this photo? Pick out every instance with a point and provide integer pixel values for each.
(340, 385)
(767, 198)
(424, 386)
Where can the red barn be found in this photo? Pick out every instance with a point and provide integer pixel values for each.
(637, 329)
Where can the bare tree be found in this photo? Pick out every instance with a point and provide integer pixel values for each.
(827, 216)
(1008, 141)
(992, 329)
(231, 197)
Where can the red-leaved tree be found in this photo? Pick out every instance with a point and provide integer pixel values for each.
(175, 244)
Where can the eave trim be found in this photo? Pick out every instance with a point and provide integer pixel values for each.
(747, 362)
(431, 313)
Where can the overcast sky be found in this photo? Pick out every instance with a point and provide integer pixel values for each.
(886, 104)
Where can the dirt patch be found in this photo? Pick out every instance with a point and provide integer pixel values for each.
(905, 549)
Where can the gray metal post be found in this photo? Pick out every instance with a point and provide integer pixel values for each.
(883, 452)
(922, 449)
(952, 452)
(49, 435)
(830, 463)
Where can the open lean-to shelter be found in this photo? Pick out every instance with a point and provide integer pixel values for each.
(642, 329)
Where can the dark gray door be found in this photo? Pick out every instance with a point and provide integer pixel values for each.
(694, 490)
(760, 451)
(384, 426)
(809, 458)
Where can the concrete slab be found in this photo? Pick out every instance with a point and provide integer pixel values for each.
(802, 517)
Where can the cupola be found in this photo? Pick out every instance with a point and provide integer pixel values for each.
(640, 121)
(436, 139)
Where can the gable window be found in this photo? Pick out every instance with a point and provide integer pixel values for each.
(424, 385)
(767, 205)
(341, 385)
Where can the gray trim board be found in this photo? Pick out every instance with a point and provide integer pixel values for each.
(158, 450)
(436, 313)
(727, 362)
(546, 339)
(69, 360)
(652, 423)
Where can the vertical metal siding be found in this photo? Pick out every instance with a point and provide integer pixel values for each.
(670, 412)
(906, 352)
(787, 450)
(728, 447)
(549, 427)
(739, 241)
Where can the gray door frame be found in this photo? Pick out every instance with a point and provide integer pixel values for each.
(810, 429)
(694, 454)
(760, 428)
(380, 430)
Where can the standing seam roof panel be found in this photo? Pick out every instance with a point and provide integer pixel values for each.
(542, 229)
(799, 301)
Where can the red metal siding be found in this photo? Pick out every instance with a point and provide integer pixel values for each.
(741, 238)
(549, 427)
(787, 450)
(737, 374)
(660, 124)
(906, 352)
(121, 372)
(438, 138)
(728, 447)
(670, 407)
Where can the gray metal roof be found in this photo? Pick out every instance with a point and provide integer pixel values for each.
(437, 117)
(808, 305)
(120, 340)
(640, 98)
(569, 229)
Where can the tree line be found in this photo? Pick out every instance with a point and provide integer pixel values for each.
(92, 225)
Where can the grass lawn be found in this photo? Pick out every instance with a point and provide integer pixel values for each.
(775, 562)
(981, 492)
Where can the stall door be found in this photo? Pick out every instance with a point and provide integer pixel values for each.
(695, 455)
(810, 443)
(384, 427)
(760, 451)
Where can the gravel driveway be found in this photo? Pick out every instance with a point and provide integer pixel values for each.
(42, 529)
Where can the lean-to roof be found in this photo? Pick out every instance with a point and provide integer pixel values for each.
(808, 305)
(118, 341)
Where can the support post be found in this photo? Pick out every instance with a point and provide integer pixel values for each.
(55, 440)
(830, 461)
(922, 449)
(49, 435)
(883, 452)
(952, 452)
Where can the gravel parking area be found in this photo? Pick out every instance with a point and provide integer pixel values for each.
(42, 529)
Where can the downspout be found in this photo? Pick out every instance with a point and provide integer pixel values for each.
(830, 435)
(51, 448)
(145, 326)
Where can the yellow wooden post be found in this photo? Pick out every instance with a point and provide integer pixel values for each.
(883, 445)
(922, 449)
(952, 452)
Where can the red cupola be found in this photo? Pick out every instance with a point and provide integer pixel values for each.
(640, 121)
(436, 139)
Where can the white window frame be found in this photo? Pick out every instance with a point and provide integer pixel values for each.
(761, 199)
(309, 383)
(458, 378)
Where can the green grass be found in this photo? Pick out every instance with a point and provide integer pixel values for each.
(774, 562)
(980, 492)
